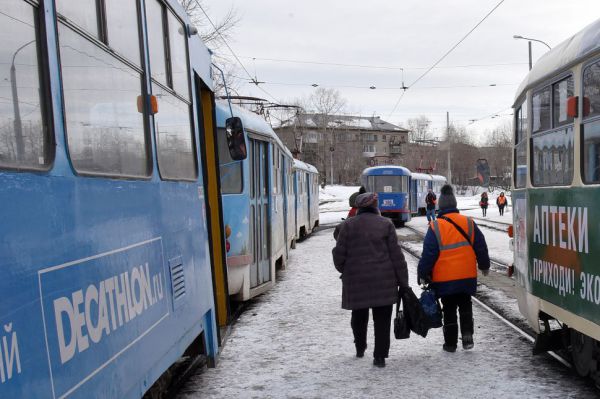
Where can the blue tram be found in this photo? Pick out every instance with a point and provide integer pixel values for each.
(269, 201)
(392, 184)
(110, 235)
(306, 188)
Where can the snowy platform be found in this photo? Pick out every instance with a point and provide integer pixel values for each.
(295, 341)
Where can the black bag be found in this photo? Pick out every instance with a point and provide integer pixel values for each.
(416, 318)
(431, 307)
(401, 324)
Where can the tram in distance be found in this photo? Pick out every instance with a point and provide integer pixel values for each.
(392, 185)
(420, 183)
(556, 169)
(270, 200)
(111, 238)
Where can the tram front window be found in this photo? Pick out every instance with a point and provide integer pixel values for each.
(381, 184)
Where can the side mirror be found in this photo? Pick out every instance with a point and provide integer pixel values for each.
(235, 138)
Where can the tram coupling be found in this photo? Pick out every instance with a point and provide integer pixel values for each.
(548, 339)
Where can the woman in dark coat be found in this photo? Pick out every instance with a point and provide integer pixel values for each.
(373, 267)
(483, 203)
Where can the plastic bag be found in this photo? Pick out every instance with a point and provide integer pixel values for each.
(431, 307)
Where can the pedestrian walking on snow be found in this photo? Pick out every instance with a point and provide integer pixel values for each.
(452, 250)
(501, 202)
(430, 201)
(373, 268)
(352, 202)
(483, 203)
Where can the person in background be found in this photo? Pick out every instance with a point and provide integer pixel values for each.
(452, 250)
(372, 265)
(483, 203)
(501, 202)
(430, 201)
(352, 200)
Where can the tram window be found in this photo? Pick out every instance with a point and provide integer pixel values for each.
(178, 55)
(521, 124)
(264, 169)
(122, 27)
(230, 170)
(24, 136)
(521, 164)
(156, 40)
(105, 130)
(175, 144)
(591, 152)
(397, 183)
(591, 89)
(560, 92)
(81, 12)
(541, 110)
(553, 158)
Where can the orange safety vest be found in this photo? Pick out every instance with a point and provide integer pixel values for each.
(457, 260)
(501, 200)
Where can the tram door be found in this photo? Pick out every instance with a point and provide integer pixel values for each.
(260, 271)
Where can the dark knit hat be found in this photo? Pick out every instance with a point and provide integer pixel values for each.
(447, 199)
(365, 200)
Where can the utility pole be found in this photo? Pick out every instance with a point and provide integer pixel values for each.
(449, 146)
(530, 63)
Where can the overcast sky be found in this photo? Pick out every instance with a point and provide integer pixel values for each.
(407, 34)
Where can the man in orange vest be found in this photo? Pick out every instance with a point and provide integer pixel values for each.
(452, 250)
(501, 202)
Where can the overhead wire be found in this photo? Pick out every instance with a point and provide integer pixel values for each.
(390, 67)
(448, 52)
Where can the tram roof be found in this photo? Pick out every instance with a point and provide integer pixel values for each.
(251, 122)
(387, 170)
(439, 178)
(571, 51)
(304, 166)
(420, 176)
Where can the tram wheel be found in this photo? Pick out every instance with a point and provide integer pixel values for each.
(582, 349)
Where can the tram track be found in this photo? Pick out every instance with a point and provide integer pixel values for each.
(497, 312)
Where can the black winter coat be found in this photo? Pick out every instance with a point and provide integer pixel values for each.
(370, 260)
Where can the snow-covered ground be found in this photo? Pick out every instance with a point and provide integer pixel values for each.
(296, 342)
(334, 203)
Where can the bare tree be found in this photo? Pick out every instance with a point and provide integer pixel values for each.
(419, 129)
(212, 36)
(326, 102)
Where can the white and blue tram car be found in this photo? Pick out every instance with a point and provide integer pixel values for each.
(306, 192)
(420, 183)
(106, 245)
(392, 185)
(269, 201)
(555, 198)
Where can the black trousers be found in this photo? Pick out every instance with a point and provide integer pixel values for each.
(382, 318)
(465, 309)
(501, 209)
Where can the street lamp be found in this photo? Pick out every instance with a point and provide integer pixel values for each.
(529, 45)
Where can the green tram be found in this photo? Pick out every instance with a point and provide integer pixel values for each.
(556, 199)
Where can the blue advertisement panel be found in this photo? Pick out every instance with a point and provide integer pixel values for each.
(97, 308)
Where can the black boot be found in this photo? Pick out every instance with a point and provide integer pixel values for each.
(450, 337)
(466, 330)
(379, 362)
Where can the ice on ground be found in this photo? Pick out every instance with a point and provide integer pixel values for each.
(296, 342)
(335, 199)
